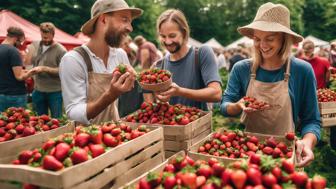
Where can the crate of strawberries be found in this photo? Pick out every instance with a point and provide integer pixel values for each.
(181, 171)
(183, 126)
(20, 129)
(230, 146)
(327, 106)
(155, 79)
(91, 157)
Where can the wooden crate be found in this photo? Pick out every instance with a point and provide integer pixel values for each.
(182, 137)
(193, 153)
(159, 168)
(328, 114)
(10, 149)
(136, 156)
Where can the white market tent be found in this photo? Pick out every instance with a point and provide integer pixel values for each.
(194, 42)
(213, 43)
(318, 42)
(244, 40)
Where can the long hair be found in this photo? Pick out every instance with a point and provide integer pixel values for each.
(284, 52)
(176, 16)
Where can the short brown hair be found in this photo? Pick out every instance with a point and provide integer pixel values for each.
(176, 16)
(15, 32)
(47, 27)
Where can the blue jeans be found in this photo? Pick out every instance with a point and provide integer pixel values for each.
(42, 101)
(7, 101)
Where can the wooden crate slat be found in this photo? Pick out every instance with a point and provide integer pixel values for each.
(326, 105)
(111, 173)
(328, 122)
(65, 178)
(328, 111)
(138, 170)
(11, 148)
(184, 145)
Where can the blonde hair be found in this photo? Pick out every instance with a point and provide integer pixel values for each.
(176, 16)
(284, 53)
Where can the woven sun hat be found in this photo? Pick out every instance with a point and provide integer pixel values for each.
(104, 6)
(271, 18)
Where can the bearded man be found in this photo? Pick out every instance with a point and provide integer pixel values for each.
(45, 56)
(88, 86)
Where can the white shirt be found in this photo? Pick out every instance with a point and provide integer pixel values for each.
(74, 79)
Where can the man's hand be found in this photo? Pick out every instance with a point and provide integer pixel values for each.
(40, 69)
(166, 95)
(304, 153)
(121, 83)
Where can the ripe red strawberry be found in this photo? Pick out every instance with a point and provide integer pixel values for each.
(109, 140)
(143, 184)
(218, 169)
(276, 171)
(238, 178)
(290, 136)
(48, 145)
(205, 170)
(79, 155)
(116, 132)
(254, 176)
(19, 129)
(299, 178)
(25, 156)
(82, 139)
(169, 168)
(189, 180)
(255, 159)
(28, 131)
(271, 142)
(318, 182)
(45, 118)
(269, 180)
(96, 150)
(288, 166)
(184, 120)
(282, 146)
(61, 151)
(267, 150)
(170, 182)
(30, 186)
(96, 136)
(51, 163)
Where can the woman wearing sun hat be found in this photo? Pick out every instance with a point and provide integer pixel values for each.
(274, 76)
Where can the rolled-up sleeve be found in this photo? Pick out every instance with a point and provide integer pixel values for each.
(73, 77)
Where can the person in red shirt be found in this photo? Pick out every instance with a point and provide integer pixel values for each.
(320, 65)
(147, 52)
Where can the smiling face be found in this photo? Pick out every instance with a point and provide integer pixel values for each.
(118, 28)
(171, 37)
(268, 44)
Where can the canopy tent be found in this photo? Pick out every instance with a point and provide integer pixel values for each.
(32, 32)
(244, 40)
(214, 44)
(317, 42)
(194, 42)
(82, 37)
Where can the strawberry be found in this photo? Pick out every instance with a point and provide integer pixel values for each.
(96, 150)
(48, 145)
(19, 129)
(189, 180)
(290, 136)
(61, 151)
(116, 132)
(96, 136)
(238, 178)
(51, 163)
(79, 155)
(255, 159)
(82, 139)
(288, 166)
(28, 131)
(271, 142)
(143, 184)
(269, 180)
(45, 118)
(205, 170)
(318, 182)
(267, 150)
(299, 178)
(254, 176)
(109, 140)
(30, 186)
(25, 156)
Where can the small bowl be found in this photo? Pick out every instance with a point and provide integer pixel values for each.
(157, 86)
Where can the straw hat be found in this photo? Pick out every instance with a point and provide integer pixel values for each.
(271, 18)
(104, 6)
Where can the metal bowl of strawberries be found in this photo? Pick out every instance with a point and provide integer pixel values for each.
(155, 79)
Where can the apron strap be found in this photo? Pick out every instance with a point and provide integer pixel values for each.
(286, 74)
(85, 56)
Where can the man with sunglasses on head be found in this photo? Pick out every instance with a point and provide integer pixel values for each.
(12, 74)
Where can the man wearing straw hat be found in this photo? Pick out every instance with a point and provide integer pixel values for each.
(286, 83)
(89, 89)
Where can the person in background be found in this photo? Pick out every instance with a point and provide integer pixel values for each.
(273, 76)
(45, 56)
(89, 86)
(147, 52)
(320, 65)
(12, 74)
(237, 56)
(194, 71)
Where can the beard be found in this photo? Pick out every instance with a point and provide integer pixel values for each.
(114, 37)
(176, 46)
(47, 43)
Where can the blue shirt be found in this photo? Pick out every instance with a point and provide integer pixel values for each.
(302, 91)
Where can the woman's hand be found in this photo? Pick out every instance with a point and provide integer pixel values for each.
(304, 153)
(164, 96)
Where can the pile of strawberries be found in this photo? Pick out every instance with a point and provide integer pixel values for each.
(18, 122)
(326, 95)
(74, 148)
(253, 103)
(257, 173)
(236, 144)
(164, 113)
(154, 76)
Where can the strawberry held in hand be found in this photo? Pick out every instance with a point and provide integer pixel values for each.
(120, 69)
(154, 76)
